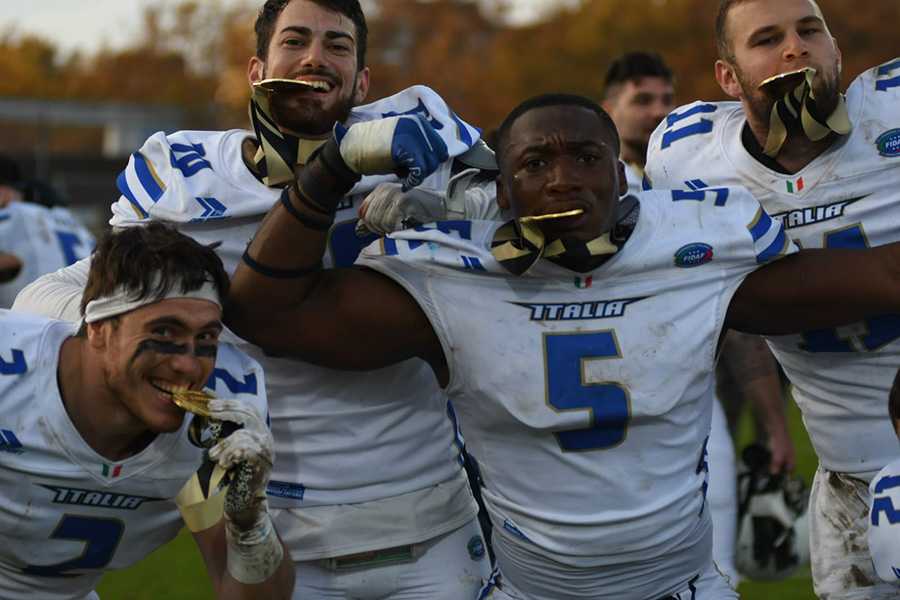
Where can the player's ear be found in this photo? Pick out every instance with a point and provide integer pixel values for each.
(727, 78)
(837, 50)
(623, 180)
(362, 86)
(256, 69)
(502, 199)
(96, 334)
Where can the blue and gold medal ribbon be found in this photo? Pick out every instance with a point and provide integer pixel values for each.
(277, 152)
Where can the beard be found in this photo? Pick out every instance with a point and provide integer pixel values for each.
(305, 115)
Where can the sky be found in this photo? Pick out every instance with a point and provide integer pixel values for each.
(88, 25)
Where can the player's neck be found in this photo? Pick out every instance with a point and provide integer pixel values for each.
(97, 415)
(797, 150)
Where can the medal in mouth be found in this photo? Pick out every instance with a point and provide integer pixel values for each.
(799, 75)
(279, 152)
(194, 401)
(798, 108)
(280, 86)
(550, 216)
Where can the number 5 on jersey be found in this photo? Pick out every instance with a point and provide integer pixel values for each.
(605, 404)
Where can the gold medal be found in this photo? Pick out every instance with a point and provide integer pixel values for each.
(550, 216)
(195, 401)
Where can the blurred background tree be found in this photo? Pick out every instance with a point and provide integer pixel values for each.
(193, 55)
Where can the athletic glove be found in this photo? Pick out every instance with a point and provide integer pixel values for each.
(247, 453)
(406, 145)
(388, 208)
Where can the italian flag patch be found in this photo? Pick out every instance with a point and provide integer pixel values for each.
(111, 470)
(584, 282)
(794, 187)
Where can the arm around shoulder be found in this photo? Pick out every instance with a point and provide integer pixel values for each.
(56, 295)
(813, 289)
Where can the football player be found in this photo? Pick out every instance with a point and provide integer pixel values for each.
(638, 91)
(828, 166)
(368, 492)
(577, 342)
(35, 239)
(96, 457)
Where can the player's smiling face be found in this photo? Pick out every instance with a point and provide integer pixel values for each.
(318, 46)
(771, 37)
(561, 158)
(155, 349)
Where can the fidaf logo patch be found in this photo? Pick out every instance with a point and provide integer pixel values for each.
(82, 497)
(475, 548)
(577, 311)
(693, 255)
(888, 143)
(814, 214)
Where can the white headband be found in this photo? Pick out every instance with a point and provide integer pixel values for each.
(119, 303)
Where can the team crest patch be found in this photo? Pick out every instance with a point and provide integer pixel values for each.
(693, 255)
(888, 143)
(475, 548)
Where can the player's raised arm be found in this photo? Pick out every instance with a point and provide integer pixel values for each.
(283, 301)
(818, 288)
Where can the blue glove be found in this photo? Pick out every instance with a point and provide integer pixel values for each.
(406, 145)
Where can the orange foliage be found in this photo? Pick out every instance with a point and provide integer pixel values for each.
(195, 54)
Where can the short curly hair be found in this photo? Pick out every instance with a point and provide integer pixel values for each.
(148, 261)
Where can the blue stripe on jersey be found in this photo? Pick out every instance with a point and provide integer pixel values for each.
(147, 177)
(490, 585)
(462, 130)
(4, 217)
(887, 483)
(457, 434)
(775, 249)
(885, 69)
(122, 184)
(760, 225)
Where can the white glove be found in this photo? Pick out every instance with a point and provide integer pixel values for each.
(247, 453)
(406, 145)
(388, 208)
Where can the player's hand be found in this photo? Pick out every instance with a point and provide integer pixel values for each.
(406, 145)
(783, 453)
(388, 208)
(247, 454)
(10, 266)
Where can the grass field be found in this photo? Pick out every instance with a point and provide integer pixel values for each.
(176, 571)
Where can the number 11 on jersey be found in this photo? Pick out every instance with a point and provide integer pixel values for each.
(606, 403)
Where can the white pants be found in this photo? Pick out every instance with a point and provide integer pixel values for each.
(842, 567)
(709, 585)
(721, 497)
(450, 567)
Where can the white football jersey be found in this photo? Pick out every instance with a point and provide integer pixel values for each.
(68, 514)
(586, 397)
(884, 522)
(340, 437)
(848, 197)
(45, 239)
